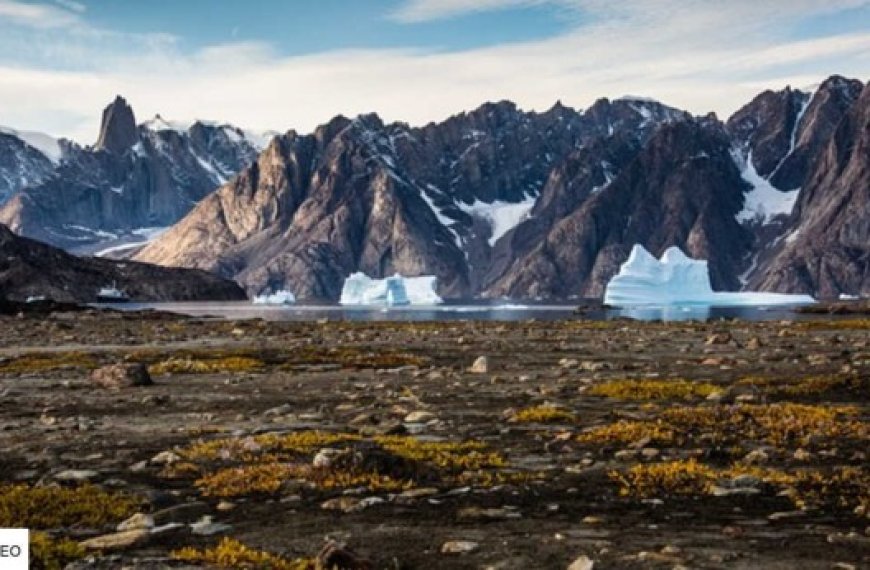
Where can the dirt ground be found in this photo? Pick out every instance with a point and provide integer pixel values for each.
(635, 445)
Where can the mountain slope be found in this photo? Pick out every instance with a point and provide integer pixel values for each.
(28, 267)
(134, 177)
(682, 189)
(828, 249)
(359, 195)
(25, 159)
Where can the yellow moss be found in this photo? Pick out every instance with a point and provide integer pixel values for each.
(54, 507)
(839, 488)
(648, 389)
(544, 415)
(776, 424)
(625, 431)
(263, 463)
(231, 553)
(448, 456)
(810, 385)
(213, 366)
(48, 361)
(254, 448)
(47, 553)
(260, 479)
(350, 357)
(672, 478)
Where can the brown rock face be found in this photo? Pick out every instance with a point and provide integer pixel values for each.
(828, 249)
(682, 189)
(358, 195)
(119, 376)
(118, 128)
(28, 268)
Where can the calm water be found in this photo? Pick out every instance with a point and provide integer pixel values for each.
(496, 311)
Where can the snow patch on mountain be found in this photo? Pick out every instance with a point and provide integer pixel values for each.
(46, 144)
(763, 202)
(502, 216)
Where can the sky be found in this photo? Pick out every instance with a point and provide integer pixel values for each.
(293, 64)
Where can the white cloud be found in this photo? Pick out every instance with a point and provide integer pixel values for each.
(72, 6)
(36, 15)
(692, 54)
(415, 11)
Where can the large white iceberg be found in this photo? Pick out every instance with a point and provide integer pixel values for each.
(676, 279)
(360, 289)
(277, 298)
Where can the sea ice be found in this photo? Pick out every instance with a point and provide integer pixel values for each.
(360, 289)
(676, 279)
(277, 298)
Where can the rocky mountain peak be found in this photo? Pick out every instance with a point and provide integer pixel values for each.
(118, 128)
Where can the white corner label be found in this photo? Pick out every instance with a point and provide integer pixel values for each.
(14, 548)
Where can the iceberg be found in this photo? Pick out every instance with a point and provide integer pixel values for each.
(360, 289)
(282, 297)
(676, 279)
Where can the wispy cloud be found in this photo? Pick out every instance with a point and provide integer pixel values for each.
(696, 54)
(416, 11)
(72, 6)
(36, 15)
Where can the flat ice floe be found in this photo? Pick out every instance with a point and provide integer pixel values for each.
(360, 289)
(676, 279)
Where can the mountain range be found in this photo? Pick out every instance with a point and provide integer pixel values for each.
(494, 202)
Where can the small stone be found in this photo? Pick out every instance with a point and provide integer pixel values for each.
(649, 453)
(718, 338)
(477, 513)
(345, 504)
(76, 475)
(480, 366)
(207, 527)
(118, 540)
(754, 343)
(137, 521)
(459, 547)
(225, 506)
(756, 457)
(165, 458)
(592, 520)
(419, 417)
(325, 457)
(125, 375)
(582, 563)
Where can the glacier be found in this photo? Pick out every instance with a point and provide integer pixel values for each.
(277, 298)
(676, 279)
(360, 289)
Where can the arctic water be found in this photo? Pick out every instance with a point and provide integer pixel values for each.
(477, 311)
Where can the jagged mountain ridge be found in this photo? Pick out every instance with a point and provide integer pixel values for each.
(498, 202)
(134, 177)
(361, 195)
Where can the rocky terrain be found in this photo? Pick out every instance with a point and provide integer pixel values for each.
(155, 441)
(133, 178)
(30, 268)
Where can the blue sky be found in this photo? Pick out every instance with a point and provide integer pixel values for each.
(280, 64)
